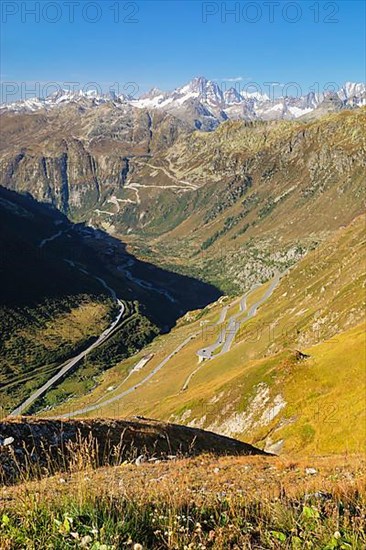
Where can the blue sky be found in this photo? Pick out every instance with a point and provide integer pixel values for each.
(165, 44)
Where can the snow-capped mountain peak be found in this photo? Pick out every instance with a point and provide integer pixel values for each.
(232, 96)
(206, 91)
(151, 94)
(353, 93)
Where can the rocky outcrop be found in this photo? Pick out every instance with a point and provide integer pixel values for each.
(77, 158)
(36, 446)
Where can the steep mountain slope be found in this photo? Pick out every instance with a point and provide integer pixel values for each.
(225, 205)
(58, 294)
(50, 309)
(75, 158)
(262, 198)
(288, 381)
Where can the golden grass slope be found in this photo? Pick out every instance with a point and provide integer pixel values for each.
(197, 503)
(262, 391)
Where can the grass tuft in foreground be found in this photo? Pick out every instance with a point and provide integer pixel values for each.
(197, 503)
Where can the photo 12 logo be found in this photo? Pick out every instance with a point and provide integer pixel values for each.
(12, 91)
(272, 90)
(69, 11)
(269, 12)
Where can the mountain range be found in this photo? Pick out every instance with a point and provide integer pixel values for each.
(203, 104)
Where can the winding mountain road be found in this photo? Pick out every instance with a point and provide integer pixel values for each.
(142, 283)
(220, 339)
(218, 342)
(226, 339)
(227, 335)
(99, 404)
(183, 183)
(68, 365)
(52, 238)
(130, 390)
